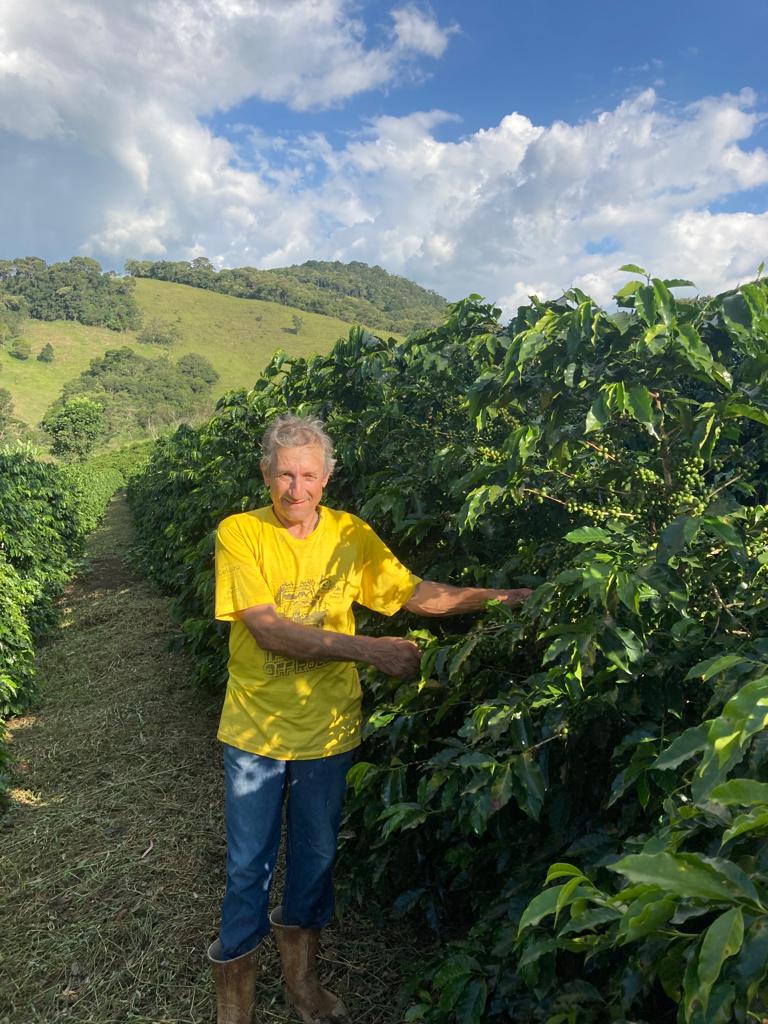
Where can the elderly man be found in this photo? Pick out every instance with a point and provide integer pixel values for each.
(286, 578)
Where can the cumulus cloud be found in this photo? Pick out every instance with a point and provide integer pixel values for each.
(521, 208)
(106, 151)
(415, 30)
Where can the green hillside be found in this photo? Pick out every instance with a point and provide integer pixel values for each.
(238, 336)
(352, 291)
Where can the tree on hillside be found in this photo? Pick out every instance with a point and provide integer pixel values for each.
(157, 331)
(46, 353)
(13, 313)
(20, 349)
(298, 322)
(75, 290)
(197, 372)
(134, 390)
(74, 427)
(6, 410)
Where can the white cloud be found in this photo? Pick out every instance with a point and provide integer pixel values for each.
(513, 210)
(417, 31)
(105, 152)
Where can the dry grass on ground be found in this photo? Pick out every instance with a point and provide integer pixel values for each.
(112, 862)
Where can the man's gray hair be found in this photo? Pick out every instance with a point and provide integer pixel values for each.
(291, 431)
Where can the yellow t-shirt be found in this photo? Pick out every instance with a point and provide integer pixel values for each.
(276, 706)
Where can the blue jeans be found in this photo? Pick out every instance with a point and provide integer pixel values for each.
(256, 788)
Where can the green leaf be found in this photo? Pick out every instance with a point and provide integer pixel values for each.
(529, 774)
(752, 412)
(533, 949)
(416, 1012)
(566, 895)
(703, 431)
(680, 532)
(736, 311)
(459, 657)
(357, 774)
(753, 821)
(502, 788)
(453, 977)
(628, 290)
(558, 646)
(590, 919)
(743, 715)
(656, 338)
(646, 304)
(457, 967)
(380, 719)
(563, 870)
(688, 743)
(751, 965)
(742, 792)
(598, 415)
(632, 268)
(705, 670)
(477, 502)
(589, 535)
(639, 405)
(721, 940)
(724, 530)
(532, 343)
(541, 906)
(402, 816)
(665, 301)
(471, 1003)
(645, 915)
(684, 874)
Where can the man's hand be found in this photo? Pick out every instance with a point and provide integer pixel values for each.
(395, 656)
(514, 597)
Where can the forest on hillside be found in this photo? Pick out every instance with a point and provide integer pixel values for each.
(77, 289)
(136, 393)
(355, 292)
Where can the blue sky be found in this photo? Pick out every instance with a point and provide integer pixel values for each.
(500, 147)
(554, 61)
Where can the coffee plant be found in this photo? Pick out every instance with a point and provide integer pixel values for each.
(573, 796)
(45, 513)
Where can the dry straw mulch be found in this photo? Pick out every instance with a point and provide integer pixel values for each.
(112, 851)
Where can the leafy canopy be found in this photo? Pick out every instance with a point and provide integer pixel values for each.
(575, 792)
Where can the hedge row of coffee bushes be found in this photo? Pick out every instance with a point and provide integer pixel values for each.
(608, 736)
(46, 512)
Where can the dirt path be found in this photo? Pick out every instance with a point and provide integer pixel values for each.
(112, 852)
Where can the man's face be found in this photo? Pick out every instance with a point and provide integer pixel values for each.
(296, 480)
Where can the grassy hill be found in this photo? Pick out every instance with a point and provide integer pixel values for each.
(238, 336)
(352, 291)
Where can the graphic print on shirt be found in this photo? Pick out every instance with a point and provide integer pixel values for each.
(298, 603)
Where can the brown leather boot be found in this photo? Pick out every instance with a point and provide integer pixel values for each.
(235, 984)
(298, 954)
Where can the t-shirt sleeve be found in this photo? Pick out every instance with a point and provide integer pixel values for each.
(386, 584)
(240, 583)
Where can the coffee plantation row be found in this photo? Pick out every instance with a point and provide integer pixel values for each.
(574, 796)
(46, 512)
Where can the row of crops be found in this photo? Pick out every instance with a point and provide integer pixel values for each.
(46, 512)
(574, 796)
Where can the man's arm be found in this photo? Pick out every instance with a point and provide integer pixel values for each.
(443, 599)
(393, 655)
